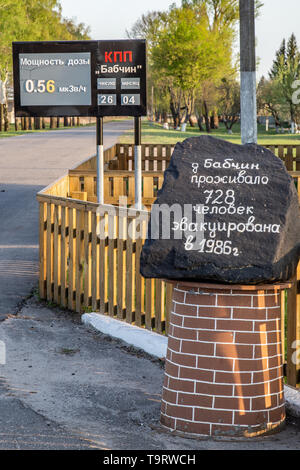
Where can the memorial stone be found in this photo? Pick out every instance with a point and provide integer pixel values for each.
(225, 213)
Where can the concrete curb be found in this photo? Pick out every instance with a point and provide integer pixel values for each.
(292, 401)
(156, 345)
(151, 343)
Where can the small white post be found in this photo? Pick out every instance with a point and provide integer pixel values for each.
(100, 161)
(138, 163)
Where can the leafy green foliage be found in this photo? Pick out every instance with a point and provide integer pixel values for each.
(33, 20)
(190, 50)
(229, 101)
(283, 74)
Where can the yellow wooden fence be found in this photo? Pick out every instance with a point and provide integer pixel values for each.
(82, 272)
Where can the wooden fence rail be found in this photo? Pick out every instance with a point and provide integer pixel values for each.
(156, 157)
(116, 184)
(84, 272)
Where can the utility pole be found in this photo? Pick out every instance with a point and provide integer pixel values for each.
(248, 72)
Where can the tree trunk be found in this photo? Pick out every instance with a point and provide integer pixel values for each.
(191, 122)
(199, 122)
(201, 128)
(5, 126)
(189, 106)
(174, 114)
(292, 113)
(57, 122)
(1, 117)
(229, 122)
(206, 117)
(187, 117)
(293, 120)
(233, 121)
(175, 107)
(37, 123)
(5, 116)
(225, 121)
(216, 120)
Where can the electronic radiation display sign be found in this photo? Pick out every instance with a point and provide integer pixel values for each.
(80, 78)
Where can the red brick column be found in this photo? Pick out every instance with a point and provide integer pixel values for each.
(223, 373)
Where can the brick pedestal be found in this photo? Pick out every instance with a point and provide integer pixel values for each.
(223, 373)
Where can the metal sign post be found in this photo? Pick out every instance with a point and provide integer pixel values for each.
(138, 163)
(100, 161)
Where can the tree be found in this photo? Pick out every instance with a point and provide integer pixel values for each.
(229, 102)
(188, 53)
(32, 20)
(283, 74)
(190, 50)
(221, 13)
(147, 28)
(78, 31)
(268, 101)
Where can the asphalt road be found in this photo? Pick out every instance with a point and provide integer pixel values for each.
(28, 163)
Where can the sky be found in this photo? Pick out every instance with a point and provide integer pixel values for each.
(109, 19)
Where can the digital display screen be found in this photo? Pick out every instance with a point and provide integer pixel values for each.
(55, 79)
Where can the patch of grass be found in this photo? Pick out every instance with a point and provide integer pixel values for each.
(68, 351)
(87, 309)
(154, 133)
(12, 132)
(50, 304)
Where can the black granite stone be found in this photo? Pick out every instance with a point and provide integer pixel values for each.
(242, 220)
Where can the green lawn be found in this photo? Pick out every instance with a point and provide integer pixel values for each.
(12, 132)
(153, 133)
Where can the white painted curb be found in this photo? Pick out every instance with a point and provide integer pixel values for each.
(292, 400)
(151, 343)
